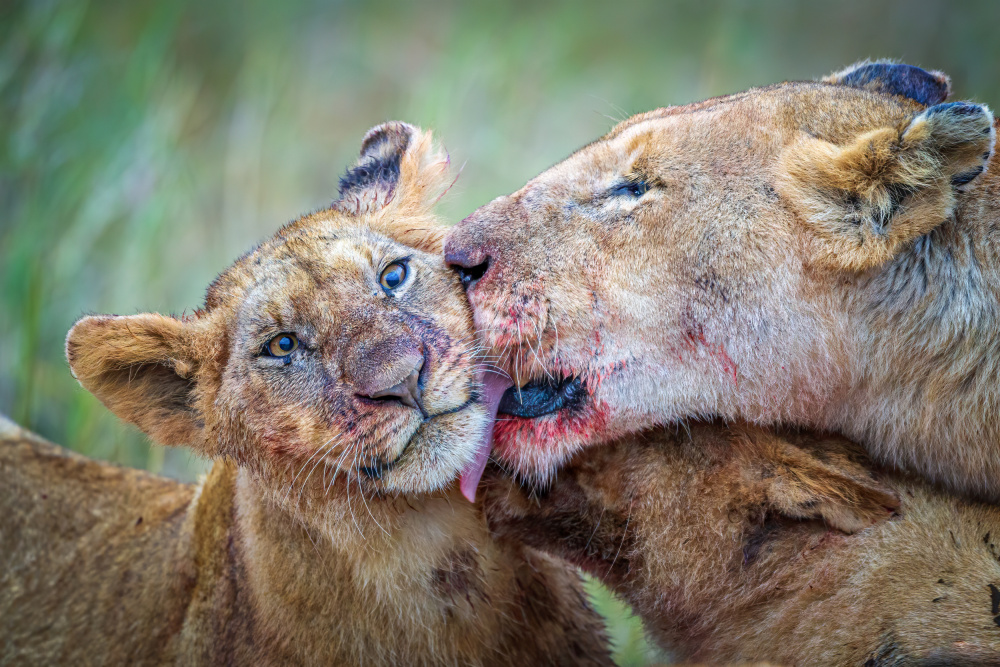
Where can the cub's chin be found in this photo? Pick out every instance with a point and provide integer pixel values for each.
(438, 453)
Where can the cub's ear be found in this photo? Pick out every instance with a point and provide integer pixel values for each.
(866, 200)
(398, 177)
(822, 482)
(889, 78)
(371, 183)
(140, 368)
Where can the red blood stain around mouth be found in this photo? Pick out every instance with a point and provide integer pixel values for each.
(514, 317)
(551, 432)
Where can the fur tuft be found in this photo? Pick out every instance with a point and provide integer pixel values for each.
(887, 187)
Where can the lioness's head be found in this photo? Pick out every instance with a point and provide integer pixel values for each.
(684, 264)
(340, 348)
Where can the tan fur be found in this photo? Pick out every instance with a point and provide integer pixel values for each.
(329, 530)
(812, 253)
(730, 543)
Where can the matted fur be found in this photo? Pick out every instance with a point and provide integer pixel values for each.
(818, 253)
(329, 530)
(733, 544)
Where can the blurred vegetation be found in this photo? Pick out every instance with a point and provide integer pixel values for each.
(146, 144)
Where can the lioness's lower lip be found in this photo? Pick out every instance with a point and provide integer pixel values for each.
(541, 398)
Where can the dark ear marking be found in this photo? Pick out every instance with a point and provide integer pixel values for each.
(889, 78)
(964, 129)
(966, 178)
(375, 175)
(370, 173)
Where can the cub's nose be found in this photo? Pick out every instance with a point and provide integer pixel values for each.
(387, 370)
(464, 252)
(406, 392)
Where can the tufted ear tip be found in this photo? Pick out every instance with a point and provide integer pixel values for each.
(389, 138)
(926, 87)
(372, 180)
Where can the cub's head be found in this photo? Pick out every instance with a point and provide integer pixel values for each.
(686, 263)
(340, 348)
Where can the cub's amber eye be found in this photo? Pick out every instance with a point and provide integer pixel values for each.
(281, 345)
(393, 275)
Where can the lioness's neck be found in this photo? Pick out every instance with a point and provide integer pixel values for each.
(923, 391)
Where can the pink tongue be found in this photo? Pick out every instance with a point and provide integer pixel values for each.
(494, 385)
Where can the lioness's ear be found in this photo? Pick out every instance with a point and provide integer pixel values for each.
(920, 85)
(831, 487)
(398, 177)
(139, 367)
(865, 200)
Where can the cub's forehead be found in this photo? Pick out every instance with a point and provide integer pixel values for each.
(296, 265)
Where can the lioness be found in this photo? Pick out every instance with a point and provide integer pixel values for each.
(822, 254)
(726, 542)
(333, 376)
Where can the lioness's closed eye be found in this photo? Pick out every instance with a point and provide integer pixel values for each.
(333, 376)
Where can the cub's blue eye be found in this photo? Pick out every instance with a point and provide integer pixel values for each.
(281, 345)
(630, 189)
(393, 275)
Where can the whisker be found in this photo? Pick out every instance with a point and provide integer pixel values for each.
(318, 461)
(361, 490)
(349, 508)
(538, 338)
(291, 484)
(595, 530)
(340, 462)
(517, 365)
(624, 533)
(498, 371)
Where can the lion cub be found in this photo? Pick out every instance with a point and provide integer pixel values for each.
(333, 378)
(731, 545)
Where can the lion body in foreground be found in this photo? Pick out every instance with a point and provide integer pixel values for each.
(331, 378)
(107, 565)
(732, 545)
(823, 254)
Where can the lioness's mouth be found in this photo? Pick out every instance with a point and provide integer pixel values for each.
(543, 397)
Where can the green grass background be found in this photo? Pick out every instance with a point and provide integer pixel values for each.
(145, 145)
